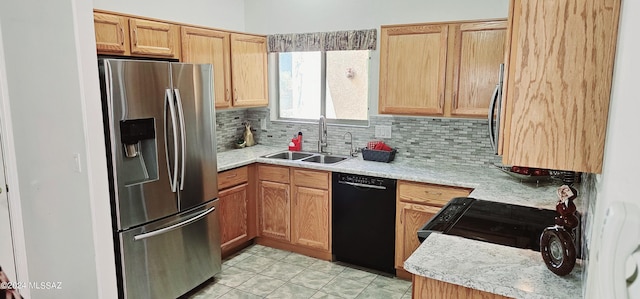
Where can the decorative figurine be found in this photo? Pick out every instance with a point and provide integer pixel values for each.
(248, 136)
(556, 242)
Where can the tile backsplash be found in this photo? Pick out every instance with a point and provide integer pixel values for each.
(456, 141)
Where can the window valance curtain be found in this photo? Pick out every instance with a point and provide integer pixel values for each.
(323, 41)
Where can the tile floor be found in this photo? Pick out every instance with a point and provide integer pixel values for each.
(265, 272)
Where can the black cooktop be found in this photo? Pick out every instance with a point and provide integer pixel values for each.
(494, 222)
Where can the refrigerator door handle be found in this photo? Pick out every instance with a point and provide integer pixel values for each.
(173, 226)
(492, 107)
(183, 138)
(173, 178)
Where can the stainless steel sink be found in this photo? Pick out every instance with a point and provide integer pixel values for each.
(307, 157)
(288, 155)
(325, 159)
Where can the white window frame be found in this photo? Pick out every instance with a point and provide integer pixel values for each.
(275, 85)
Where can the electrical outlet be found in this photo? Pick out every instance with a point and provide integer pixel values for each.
(383, 132)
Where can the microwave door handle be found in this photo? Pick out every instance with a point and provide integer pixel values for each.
(183, 138)
(173, 177)
(492, 107)
(499, 99)
(496, 132)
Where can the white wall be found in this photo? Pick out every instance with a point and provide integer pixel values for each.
(223, 14)
(621, 169)
(53, 93)
(289, 16)
(297, 16)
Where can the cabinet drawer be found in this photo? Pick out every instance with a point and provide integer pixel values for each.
(311, 179)
(273, 173)
(435, 195)
(232, 177)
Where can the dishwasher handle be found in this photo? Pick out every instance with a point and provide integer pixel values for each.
(364, 185)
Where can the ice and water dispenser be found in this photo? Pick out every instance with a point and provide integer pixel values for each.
(140, 161)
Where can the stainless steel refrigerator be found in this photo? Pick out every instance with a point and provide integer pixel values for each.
(160, 134)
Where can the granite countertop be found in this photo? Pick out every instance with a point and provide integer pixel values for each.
(498, 269)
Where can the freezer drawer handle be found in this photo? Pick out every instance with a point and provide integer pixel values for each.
(174, 226)
(364, 185)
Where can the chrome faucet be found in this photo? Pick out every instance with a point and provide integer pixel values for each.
(352, 152)
(322, 134)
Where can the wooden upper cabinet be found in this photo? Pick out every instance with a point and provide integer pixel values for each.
(477, 52)
(112, 34)
(440, 69)
(153, 38)
(558, 83)
(249, 70)
(412, 69)
(210, 46)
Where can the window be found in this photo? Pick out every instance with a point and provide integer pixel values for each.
(332, 83)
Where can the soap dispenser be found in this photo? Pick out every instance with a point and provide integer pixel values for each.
(296, 142)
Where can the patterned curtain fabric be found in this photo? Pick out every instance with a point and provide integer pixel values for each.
(323, 41)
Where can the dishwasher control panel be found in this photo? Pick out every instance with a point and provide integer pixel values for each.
(365, 180)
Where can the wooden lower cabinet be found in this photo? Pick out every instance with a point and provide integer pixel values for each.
(310, 218)
(427, 288)
(233, 211)
(275, 212)
(410, 218)
(237, 208)
(416, 203)
(295, 210)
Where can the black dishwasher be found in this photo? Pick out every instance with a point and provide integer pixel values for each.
(363, 221)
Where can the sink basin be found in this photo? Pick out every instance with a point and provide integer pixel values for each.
(324, 159)
(289, 155)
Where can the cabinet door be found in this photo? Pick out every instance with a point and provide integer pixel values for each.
(233, 215)
(154, 38)
(310, 218)
(210, 46)
(249, 70)
(558, 83)
(275, 210)
(412, 69)
(112, 34)
(478, 51)
(428, 288)
(409, 219)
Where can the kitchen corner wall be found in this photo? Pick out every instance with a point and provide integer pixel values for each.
(588, 194)
(454, 141)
